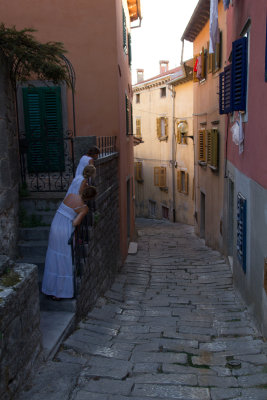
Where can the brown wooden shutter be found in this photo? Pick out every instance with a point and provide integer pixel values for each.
(202, 145)
(203, 64)
(179, 136)
(159, 127)
(209, 59)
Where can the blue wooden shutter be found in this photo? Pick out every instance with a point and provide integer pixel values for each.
(239, 75)
(43, 125)
(225, 90)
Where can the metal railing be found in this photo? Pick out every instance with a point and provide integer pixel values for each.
(106, 144)
(79, 242)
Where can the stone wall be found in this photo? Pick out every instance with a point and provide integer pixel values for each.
(20, 337)
(103, 261)
(9, 169)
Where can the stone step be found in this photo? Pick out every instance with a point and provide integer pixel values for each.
(38, 233)
(47, 304)
(55, 326)
(42, 202)
(32, 248)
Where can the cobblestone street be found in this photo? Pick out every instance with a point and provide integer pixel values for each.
(170, 327)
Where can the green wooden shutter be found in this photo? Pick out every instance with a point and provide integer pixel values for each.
(130, 49)
(124, 32)
(43, 125)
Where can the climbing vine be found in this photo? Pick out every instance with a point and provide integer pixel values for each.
(26, 57)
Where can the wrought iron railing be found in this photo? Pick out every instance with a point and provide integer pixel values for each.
(48, 180)
(106, 144)
(79, 242)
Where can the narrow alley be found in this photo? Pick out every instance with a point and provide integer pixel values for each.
(171, 327)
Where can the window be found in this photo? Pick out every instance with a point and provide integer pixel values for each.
(139, 171)
(152, 208)
(129, 116)
(213, 148)
(163, 92)
(43, 126)
(233, 81)
(162, 128)
(202, 145)
(137, 98)
(241, 230)
(160, 177)
(182, 181)
(124, 31)
(165, 212)
(199, 62)
(129, 49)
(138, 127)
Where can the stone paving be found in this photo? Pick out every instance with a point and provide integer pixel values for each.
(171, 327)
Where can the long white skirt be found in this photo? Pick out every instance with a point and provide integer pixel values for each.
(58, 273)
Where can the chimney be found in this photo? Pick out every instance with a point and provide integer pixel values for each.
(163, 66)
(140, 75)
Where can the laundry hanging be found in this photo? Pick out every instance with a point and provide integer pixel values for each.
(214, 31)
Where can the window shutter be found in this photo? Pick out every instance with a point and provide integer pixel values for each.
(239, 75)
(241, 231)
(43, 125)
(166, 126)
(138, 127)
(138, 171)
(209, 59)
(131, 119)
(179, 181)
(218, 53)
(202, 145)
(158, 127)
(130, 49)
(156, 176)
(162, 179)
(186, 182)
(215, 148)
(203, 63)
(124, 30)
(225, 90)
(209, 147)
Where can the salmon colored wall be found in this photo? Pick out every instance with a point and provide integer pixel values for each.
(206, 110)
(91, 32)
(125, 142)
(250, 162)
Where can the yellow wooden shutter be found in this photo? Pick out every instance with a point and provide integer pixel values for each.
(162, 179)
(166, 126)
(209, 59)
(138, 127)
(215, 148)
(158, 127)
(209, 147)
(202, 145)
(179, 181)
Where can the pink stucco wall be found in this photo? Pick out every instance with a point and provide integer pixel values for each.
(251, 161)
(91, 32)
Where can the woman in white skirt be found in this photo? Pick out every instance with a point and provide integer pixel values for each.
(58, 276)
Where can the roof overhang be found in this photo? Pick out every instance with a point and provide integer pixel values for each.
(197, 21)
(134, 10)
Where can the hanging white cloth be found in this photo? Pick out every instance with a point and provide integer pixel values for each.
(214, 31)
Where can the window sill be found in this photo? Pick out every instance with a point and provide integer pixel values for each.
(202, 163)
(213, 168)
(162, 138)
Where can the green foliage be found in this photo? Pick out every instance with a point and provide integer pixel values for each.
(27, 57)
(10, 278)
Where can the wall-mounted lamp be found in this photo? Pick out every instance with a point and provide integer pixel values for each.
(183, 129)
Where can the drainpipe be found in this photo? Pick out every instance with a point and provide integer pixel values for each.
(173, 153)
